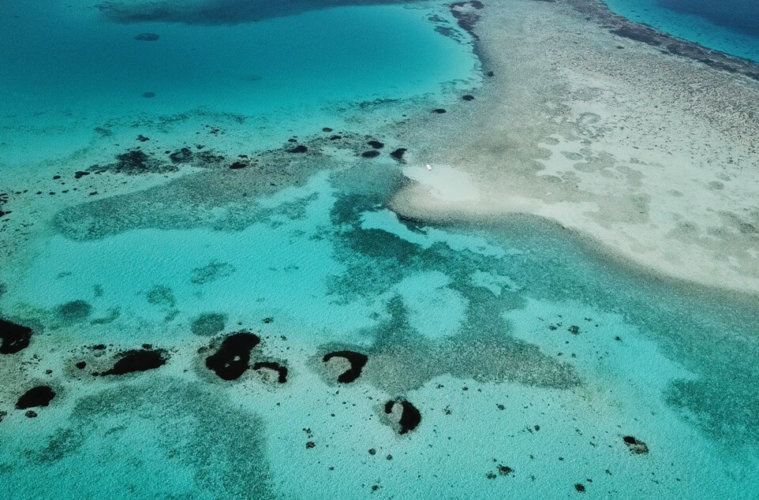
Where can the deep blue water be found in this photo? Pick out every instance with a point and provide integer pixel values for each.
(736, 15)
(731, 26)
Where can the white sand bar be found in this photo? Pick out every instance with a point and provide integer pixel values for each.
(654, 156)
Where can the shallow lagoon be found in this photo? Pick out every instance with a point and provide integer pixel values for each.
(529, 353)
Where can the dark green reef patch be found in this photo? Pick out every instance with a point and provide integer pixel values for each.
(219, 445)
(211, 272)
(161, 295)
(135, 162)
(208, 324)
(193, 200)
(74, 311)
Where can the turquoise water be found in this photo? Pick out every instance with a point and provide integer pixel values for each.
(529, 355)
(73, 79)
(730, 26)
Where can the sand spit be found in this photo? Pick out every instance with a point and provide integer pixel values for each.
(651, 154)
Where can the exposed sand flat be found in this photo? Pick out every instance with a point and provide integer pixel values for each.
(653, 155)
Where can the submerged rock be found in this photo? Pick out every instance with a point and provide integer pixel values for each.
(138, 360)
(184, 155)
(410, 416)
(398, 154)
(298, 149)
(35, 397)
(281, 370)
(233, 356)
(147, 37)
(135, 162)
(357, 361)
(15, 337)
(635, 446)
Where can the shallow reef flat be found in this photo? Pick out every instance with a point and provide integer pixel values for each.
(196, 312)
(330, 348)
(650, 154)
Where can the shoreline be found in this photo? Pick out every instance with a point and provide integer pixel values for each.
(648, 154)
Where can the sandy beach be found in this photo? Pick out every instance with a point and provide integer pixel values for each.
(651, 156)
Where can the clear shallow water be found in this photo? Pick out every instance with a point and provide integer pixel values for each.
(73, 79)
(476, 328)
(731, 26)
(528, 354)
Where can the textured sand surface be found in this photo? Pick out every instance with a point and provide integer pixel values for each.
(653, 156)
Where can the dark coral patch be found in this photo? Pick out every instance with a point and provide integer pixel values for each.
(184, 155)
(357, 361)
(138, 360)
(15, 337)
(298, 149)
(376, 144)
(281, 370)
(439, 111)
(397, 155)
(134, 162)
(635, 446)
(208, 324)
(35, 397)
(233, 356)
(370, 154)
(410, 416)
(74, 311)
